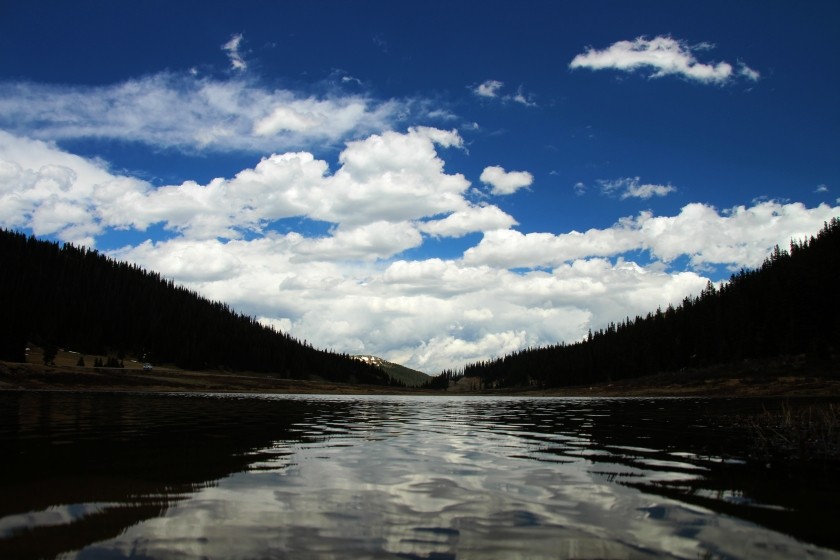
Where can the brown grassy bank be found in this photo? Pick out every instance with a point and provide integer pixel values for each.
(786, 378)
(777, 377)
(66, 375)
(71, 378)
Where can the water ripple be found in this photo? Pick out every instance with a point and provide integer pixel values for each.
(383, 477)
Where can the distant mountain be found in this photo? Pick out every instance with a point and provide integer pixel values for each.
(71, 297)
(788, 307)
(407, 376)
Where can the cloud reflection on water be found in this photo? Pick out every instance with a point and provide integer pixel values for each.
(417, 477)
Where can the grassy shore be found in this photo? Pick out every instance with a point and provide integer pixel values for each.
(777, 378)
(755, 380)
(66, 375)
(161, 379)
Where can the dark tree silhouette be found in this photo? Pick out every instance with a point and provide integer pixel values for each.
(441, 381)
(790, 306)
(77, 298)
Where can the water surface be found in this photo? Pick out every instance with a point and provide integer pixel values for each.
(94, 476)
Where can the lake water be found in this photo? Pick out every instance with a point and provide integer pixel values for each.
(94, 476)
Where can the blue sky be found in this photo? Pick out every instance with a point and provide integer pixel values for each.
(436, 182)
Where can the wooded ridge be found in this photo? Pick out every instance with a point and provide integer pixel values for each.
(790, 306)
(78, 298)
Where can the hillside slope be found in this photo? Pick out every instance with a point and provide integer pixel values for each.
(790, 306)
(77, 298)
(407, 376)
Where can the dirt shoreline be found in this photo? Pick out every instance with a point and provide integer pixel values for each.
(21, 376)
(754, 381)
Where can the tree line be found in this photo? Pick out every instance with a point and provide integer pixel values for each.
(790, 306)
(74, 297)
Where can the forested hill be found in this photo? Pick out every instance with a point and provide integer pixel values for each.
(790, 306)
(73, 297)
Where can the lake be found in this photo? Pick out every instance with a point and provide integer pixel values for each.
(97, 476)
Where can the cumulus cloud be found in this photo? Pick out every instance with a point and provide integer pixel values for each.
(60, 194)
(629, 187)
(390, 177)
(430, 313)
(368, 242)
(235, 56)
(664, 56)
(189, 113)
(514, 249)
(737, 237)
(505, 182)
(385, 183)
(472, 219)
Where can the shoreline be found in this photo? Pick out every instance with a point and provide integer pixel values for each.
(36, 377)
(754, 380)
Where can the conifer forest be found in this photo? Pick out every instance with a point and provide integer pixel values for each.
(790, 306)
(71, 297)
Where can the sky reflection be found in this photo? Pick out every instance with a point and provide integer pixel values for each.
(444, 478)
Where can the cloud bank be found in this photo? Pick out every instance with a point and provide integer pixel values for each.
(352, 287)
(193, 114)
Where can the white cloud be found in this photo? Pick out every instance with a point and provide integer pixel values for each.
(235, 56)
(188, 113)
(368, 242)
(489, 88)
(664, 56)
(748, 72)
(522, 99)
(392, 178)
(192, 260)
(351, 80)
(513, 249)
(474, 218)
(737, 237)
(286, 119)
(385, 183)
(57, 193)
(629, 187)
(505, 182)
(429, 314)
(647, 191)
